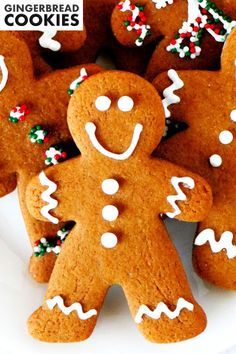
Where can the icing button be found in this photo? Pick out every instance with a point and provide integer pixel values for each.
(215, 160)
(226, 137)
(110, 213)
(233, 115)
(110, 186)
(109, 240)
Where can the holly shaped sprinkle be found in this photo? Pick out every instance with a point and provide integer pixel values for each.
(18, 113)
(208, 17)
(54, 155)
(77, 82)
(38, 135)
(136, 21)
(48, 245)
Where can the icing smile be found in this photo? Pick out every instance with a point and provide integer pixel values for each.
(91, 130)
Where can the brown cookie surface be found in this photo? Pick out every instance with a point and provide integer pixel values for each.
(207, 105)
(115, 192)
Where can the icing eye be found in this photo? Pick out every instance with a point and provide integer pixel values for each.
(103, 103)
(125, 103)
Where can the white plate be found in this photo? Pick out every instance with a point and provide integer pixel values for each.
(115, 332)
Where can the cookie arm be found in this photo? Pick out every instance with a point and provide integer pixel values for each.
(7, 184)
(49, 195)
(185, 196)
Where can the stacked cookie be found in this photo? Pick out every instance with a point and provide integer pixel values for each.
(106, 155)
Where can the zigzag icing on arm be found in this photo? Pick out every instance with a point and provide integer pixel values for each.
(189, 183)
(224, 243)
(46, 196)
(4, 73)
(169, 96)
(162, 308)
(76, 306)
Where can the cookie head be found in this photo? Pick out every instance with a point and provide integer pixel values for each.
(116, 114)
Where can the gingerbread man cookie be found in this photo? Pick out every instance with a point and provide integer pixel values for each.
(115, 192)
(207, 105)
(190, 33)
(34, 134)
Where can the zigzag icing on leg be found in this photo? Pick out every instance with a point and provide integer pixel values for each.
(58, 301)
(224, 243)
(162, 308)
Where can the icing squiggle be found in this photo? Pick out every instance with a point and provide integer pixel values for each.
(203, 15)
(137, 22)
(225, 242)
(189, 183)
(57, 300)
(162, 308)
(4, 73)
(91, 130)
(47, 41)
(76, 83)
(46, 196)
(162, 3)
(169, 96)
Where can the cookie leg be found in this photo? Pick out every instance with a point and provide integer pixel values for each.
(73, 299)
(214, 253)
(160, 300)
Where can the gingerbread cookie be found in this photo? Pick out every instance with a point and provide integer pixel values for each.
(97, 16)
(34, 133)
(115, 192)
(207, 105)
(43, 43)
(191, 33)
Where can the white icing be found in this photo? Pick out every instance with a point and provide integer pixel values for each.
(189, 183)
(103, 103)
(57, 300)
(110, 213)
(17, 114)
(81, 78)
(47, 41)
(46, 197)
(91, 130)
(226, 137)
(40, 135)
(4, 73)
(233, 115)
(125, 104)
(162, 3)
(169, 96)
(163, 309)
(109, 240)
(110, 186)
(215, 160)
(225, 242)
